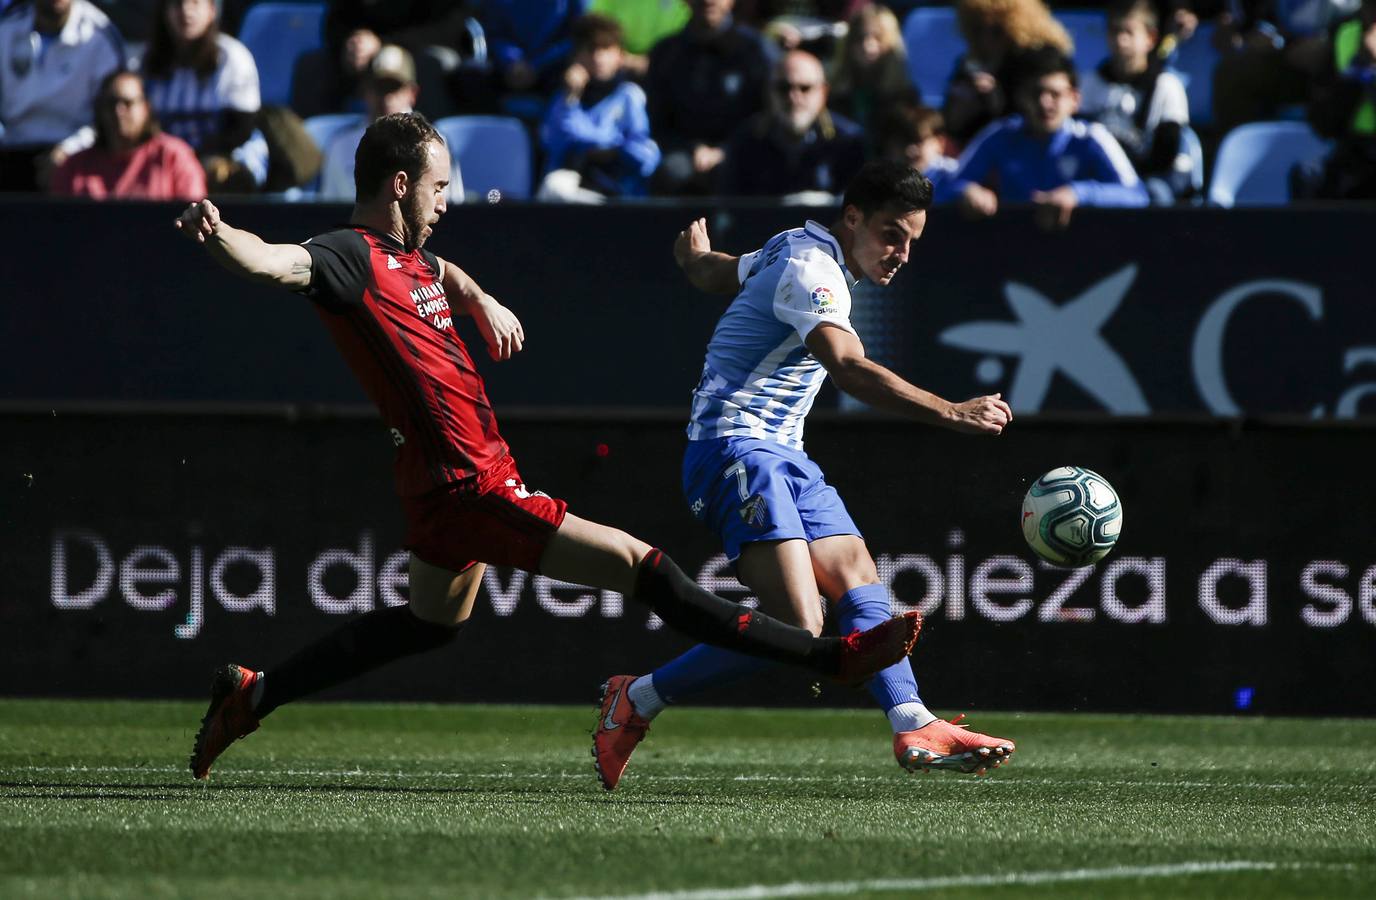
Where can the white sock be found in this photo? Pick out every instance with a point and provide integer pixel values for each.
(909, 717)
(257, 696)
(645, 698)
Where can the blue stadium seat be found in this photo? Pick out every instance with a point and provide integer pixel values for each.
(1254, 161)
(932, 39)
(492, 151)
(276, 34)
(1194, 62)
(323, 128)
(1089, 30)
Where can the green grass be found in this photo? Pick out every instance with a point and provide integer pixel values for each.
(366, 801)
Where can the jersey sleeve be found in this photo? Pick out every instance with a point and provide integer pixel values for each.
(812, 292)
(743, 265)
(339, 269)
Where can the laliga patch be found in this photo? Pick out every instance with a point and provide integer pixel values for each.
(823, 301)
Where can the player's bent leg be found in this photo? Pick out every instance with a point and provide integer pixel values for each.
(441, 596)
(780, 573)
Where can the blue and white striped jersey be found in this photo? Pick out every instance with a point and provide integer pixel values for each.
(760, 379)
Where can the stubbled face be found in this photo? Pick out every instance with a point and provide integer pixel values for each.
(1131, 42)
(882, 240)
(1048, 103)
(800, 91)
(424, 202)
(124, 109)
(190, 19)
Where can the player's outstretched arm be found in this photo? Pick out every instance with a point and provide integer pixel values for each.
(706, 268)
(243, 252)
(500, 328)
(843, 356)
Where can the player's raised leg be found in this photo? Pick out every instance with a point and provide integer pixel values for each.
(441, 602)
(588, 553)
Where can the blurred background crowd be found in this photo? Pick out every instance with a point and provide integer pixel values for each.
(1129, 103)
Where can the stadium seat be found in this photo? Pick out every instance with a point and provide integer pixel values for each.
(932, 39)
(323, 128)
(276, 34)
(493, 152)
(1254, 161)
(1089, 30)
(1194, 62)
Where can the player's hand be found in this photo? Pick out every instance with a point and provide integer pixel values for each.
(982, 415)
(691, 242)
(199, 221)
(1054, 207)
(979, 202)
(499, 327)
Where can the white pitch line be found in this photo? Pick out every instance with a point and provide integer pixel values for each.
(802, 889)
(990, 782)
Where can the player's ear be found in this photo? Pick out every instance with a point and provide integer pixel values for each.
(853, 217)
(400, 183)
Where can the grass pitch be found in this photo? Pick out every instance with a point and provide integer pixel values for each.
(424, 801)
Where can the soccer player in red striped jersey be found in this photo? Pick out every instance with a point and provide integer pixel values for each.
(389, 306)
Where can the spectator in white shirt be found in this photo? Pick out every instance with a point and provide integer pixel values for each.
(389, 86)
(203, 86)
(54, 54)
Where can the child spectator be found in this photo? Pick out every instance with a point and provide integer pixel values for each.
(996, 32)
(203, 86)
(1044, 156)
(1140, 103)
(915, 135)
(596, 134)
(132, 159)
(871, 73)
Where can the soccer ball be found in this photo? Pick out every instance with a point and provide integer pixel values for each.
(1071, 517)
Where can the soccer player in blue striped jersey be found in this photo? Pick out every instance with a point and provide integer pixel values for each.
(746, 475)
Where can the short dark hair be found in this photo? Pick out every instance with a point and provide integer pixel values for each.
(594, 31)
(392, 144)
(1031, 66)
(1119, 10)
(886, 184)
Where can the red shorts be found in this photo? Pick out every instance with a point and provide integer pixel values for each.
(494, 521)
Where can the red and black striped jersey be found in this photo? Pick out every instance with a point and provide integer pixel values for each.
(388, 314)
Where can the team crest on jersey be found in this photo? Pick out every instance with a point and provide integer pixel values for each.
(823, 300)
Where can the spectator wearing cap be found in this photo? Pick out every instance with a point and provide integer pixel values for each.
(596, 133)
(389, 86)
(54, 54)
(797, 145)
(703, 83)
(132, 158)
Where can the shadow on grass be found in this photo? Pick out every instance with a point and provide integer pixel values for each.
(179, 790)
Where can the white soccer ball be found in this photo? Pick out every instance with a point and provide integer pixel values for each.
(1071, 517)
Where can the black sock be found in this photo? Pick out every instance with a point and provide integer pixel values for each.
(703, 616)
(355, 647)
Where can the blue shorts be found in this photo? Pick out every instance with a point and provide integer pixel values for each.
(746, 489)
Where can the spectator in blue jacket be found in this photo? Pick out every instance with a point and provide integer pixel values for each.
(597, 133)
(1044, 156)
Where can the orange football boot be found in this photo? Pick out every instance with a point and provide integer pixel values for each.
(619, 729)
(229, 717)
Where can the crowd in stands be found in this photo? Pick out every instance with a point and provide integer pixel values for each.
(633, 98)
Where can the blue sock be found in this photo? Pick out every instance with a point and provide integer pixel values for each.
(865, 607)
(704, 667)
